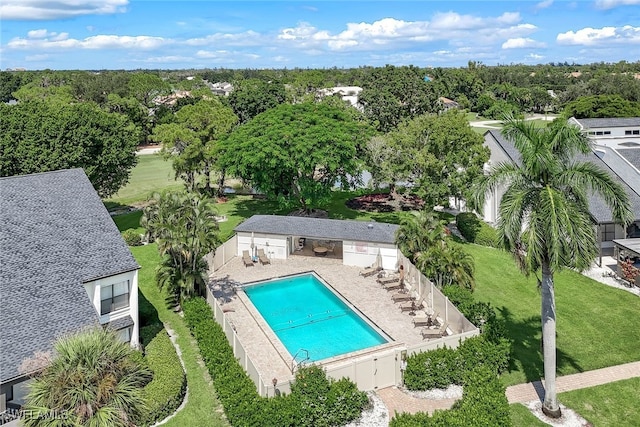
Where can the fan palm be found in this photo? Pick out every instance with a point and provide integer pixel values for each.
(92, 381)
(544, 217)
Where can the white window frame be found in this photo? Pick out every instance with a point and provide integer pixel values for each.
(114, 302)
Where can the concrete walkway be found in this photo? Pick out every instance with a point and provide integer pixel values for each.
(397, 401)
(522, 393)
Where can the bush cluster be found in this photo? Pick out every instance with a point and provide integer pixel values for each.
(475, 364)
(315, 400)
(476, 231)
(483, 404)
(442, 367)
(165, 392)
(131, 237)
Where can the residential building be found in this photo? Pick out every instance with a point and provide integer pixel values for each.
(622, 162)
(63, 267)
(349, 94)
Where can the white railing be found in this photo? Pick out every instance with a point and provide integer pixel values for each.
(435, 300)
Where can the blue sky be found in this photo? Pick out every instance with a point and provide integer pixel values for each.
(132, 34)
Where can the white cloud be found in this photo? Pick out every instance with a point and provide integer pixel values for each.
(544, 4)
(535, 56)
(522, 43)
(610, 4)
(59, 9)
(61, 41)
(600, 36)
(387, 33)
(247, 38)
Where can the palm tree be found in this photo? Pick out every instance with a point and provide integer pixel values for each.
(92, 381)
(422, 238)
(186, 230)
(447, 264)
(419, 232)
(544, 217)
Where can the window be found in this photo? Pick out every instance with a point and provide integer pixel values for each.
(114, 297)
(627, 132)
(124, 334)
(599, 132)
(607, 132)
(632, 132)
(608, 232)
(636, 132)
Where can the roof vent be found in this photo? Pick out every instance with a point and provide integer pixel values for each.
(370, 226)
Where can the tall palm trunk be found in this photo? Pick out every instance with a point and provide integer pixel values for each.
(550, 405)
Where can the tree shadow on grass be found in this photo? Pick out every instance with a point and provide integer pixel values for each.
(150, 324)
(248, 207)
(527, 355)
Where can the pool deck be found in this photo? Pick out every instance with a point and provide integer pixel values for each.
(266, 352)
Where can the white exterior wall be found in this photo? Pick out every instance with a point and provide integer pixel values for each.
(93, 291)
(364, 254)
(275, 246)
(492, 201)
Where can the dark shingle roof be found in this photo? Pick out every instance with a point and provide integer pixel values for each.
(121, 323)
(334, 229)
(613, 122)
(599, 209)
(55, 235)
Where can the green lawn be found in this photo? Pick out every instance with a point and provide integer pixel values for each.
(203, 407)
(597, 326)
(610, 405)
(613, 404)
(152, 173)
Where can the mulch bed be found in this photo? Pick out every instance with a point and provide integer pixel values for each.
(382, 202)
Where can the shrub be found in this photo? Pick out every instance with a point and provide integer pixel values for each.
(432, 369)
(483, 404)
(468, 224)
(132, 237)
(458, 295)
(165, 392)
(315, 400)
(476, 231)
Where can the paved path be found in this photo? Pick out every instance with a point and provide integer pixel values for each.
(530, 391)
(398, 401)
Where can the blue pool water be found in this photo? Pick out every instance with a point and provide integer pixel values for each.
(305, 314)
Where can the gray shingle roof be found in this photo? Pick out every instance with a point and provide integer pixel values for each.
(121, 323)
(632, 155)
(613, 122)
(55, 235)
(334, 229)
(597, 206)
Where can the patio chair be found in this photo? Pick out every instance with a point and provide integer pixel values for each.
(263, 258)
(246, 259)
(401, 296)
(435, 333)
(394, 285)
(423, 319)
(412, 305)
(389, 279)
(370, 271)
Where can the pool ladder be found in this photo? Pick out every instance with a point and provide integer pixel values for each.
(295, 363)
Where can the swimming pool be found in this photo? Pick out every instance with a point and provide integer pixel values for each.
(305, 314)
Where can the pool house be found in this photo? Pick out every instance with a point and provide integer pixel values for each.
(270, 338)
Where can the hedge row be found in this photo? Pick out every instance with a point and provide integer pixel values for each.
(483, 404)
(442, 367)
(166, 391)
(315, 400)
(476, 231)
